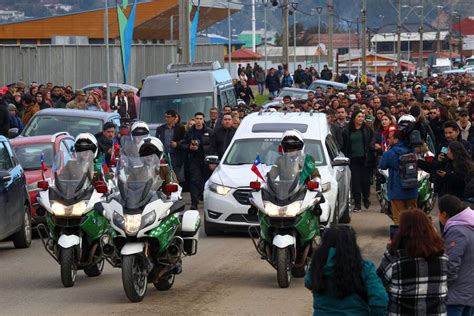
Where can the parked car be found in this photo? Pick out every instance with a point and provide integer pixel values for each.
(227, 192)
(28, 151)
(323, 84)
(15, 212)
(113, 87)
(294, 93)
(52, 121)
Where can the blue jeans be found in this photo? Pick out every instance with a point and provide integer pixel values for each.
(460, 310)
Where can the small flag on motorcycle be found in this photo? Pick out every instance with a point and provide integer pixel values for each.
(43, 165)
(308, 168)
(257, 168)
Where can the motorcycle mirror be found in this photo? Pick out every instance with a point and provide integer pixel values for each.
(43, 185)
(255, 185)
(312, 185)
(101, 187)
(171, 188)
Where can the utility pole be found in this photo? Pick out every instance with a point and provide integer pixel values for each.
(349, 24)
(254, 44)
(319, 10)
(107, 47)
(265, 34)
(450, 32)
(399, 35)
(184, 39)
(171, 28)
(420, 61)
(330, 32)
(285, 40)
(364, 38)
(438, 33)
(229, 42)
(294, 40)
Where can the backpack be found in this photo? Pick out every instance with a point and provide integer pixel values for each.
(408, 171)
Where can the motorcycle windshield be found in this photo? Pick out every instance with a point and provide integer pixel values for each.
(73, 174)
(283, 179)
(138, 178)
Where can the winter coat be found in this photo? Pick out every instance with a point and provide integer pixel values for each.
(272, 83)
(205, 147)
(286, 82)
(4, 120)
(222, 138)
(459, 240)
(347, 147)
(260, 76)
(375, 302)
(28, 113)
(391, 161)
(326, 74)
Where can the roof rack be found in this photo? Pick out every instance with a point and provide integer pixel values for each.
(173, 68)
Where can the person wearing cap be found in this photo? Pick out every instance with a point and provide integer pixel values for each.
(9, 96)
(428, 101)
(30, 108)
(20, 87)
(79, 101)
(465, 126)
(463, 99)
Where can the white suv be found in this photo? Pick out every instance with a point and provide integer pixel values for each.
(226, 193)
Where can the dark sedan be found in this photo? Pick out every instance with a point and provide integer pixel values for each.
(52, 121)
(15, 211)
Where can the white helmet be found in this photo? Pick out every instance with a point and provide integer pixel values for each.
(151, 146)
(86, 141)
(139, 128)
(292, 139)
(407, 118)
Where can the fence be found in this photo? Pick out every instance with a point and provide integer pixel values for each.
(79, 65)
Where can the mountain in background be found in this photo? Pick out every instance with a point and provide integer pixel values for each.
(347, 12)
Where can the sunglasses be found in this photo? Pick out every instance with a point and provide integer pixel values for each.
(433, 113)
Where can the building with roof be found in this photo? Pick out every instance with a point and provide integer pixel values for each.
(246, 37)
(154, 22)
(222, 40)
(243, 55)
(466, 28)
(376, 63)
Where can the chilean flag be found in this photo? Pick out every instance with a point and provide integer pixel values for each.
(43, 165)
(257, 168)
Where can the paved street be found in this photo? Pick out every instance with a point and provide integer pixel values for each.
(226, 277)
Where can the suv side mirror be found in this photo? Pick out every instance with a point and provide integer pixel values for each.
(340, 162)
(5, 177)
(212, 160)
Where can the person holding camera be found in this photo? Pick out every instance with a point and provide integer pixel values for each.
(197, 143)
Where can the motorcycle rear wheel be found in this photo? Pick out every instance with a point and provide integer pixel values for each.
(67, 261)
(134, 278)
(283, 267)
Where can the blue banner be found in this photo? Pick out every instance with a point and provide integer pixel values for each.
(126, 33)
(194, 29)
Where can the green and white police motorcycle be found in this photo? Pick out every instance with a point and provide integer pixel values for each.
(149, 237)
(288, 211)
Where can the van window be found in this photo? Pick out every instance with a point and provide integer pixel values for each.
(231, 97)
(5, 161)
(278, 128)
(222, 99)
(332, 147)
(152, 109)
(244, 151)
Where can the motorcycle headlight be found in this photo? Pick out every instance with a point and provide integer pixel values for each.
(291, 210)
(148, 219)
(118, 220)
(132, 223)
(72, 210)
(219, 189)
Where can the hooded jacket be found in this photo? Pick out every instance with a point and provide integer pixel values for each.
(375, 303)
(391, 161)
(459, 240)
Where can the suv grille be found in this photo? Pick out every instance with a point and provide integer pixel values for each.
(242, 196)
(242, 218)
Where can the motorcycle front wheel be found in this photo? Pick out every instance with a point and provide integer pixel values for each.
(67, 260)
(134, 277)
(283, 265)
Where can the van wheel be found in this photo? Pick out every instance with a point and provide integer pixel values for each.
(22, 239)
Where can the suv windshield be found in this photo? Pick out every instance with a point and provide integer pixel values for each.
(244, 151)
(152, 109)
(49, 125)
(30, 155)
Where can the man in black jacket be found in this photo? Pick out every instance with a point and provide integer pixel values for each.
(4, 119)
(197, 143)
(272, 82)
(170, 135)
(223, 135)
(105, 140)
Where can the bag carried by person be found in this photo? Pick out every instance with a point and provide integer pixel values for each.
(409, 171)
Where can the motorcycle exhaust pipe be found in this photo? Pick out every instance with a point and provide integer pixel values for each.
(173, 250)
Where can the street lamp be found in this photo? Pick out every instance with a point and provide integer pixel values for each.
(319, 10)
(420, 30)
(107, 48)
(265, 3)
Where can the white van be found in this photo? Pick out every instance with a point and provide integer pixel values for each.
(227, 192)
(187, 89)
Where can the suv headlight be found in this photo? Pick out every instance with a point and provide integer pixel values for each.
(290, 210)
(219, 189)
(72, 210)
